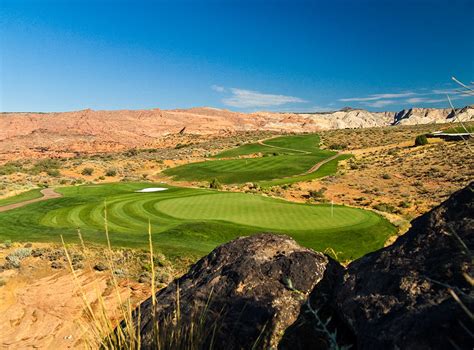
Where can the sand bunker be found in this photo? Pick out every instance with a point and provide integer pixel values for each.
(152, 189)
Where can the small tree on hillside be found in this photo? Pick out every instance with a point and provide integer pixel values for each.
(215, 184)
(421, 140)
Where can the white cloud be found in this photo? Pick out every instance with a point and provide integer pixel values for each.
(218, 88)
(377, 97)
(241, 98)
(380, 103)
(425, 100)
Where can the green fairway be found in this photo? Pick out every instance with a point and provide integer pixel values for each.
(191, 222)
(277, 158)
(25, 196)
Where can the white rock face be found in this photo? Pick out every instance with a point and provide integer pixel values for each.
(416, 116)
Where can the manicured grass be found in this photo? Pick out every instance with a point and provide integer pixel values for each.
(460, 129)
(191, 222)
(283, 157)
(325, 170)
(25, 196)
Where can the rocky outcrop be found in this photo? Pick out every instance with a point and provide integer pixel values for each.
(246, 293)
(266, 291)
(414, 116)
(403, 296)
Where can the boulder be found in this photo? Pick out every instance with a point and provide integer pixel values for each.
(414, 294)
(402, 296)
(243, 295)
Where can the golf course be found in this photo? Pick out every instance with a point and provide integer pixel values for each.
(189, 221)
(277, 161)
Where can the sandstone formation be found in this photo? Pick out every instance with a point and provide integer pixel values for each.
(105, 131)
(414, 294)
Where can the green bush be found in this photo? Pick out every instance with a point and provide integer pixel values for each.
(421, 140)
(10, 168)
(46, 166)
(87, 171)
(215, 184)
(385, 207)
(338, 146)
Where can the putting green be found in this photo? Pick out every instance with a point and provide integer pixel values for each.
(262, 212)
(191, 222)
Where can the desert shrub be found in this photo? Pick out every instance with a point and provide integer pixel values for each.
(10, 168)
(385, 207)
(421, 140)
(386, 176)
(131, 152)
(87, 171)
(14, 258)
(53, 172)
(338, 146)
(20, 253)
(111, 172)
(182, 145)
(45, 165)
(353, 165)
(404, 204)
(317, 194)
(215, 184)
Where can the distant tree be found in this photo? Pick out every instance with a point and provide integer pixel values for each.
(215, 184)
(421, 140)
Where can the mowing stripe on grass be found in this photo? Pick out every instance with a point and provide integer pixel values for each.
(190, 222)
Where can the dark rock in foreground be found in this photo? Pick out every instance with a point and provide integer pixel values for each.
(244, 294)
(401, 297)
(266, 291)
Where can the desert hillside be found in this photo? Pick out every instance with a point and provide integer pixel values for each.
(27, 134)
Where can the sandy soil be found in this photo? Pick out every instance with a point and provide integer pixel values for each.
(44, 308)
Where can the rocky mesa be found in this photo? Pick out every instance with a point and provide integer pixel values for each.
(104, 131)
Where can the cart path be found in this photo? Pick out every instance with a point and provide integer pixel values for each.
(48, 193)
(316, 166)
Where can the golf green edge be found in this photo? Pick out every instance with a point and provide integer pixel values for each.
(189, 222)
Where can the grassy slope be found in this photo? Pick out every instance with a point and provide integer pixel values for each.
(191, 222)
(25, 196)
(460, 129)
(325, 170)
(284, 156)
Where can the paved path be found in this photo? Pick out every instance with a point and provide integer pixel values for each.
(48, 193)
(316, 166)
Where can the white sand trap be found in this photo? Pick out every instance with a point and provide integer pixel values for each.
(152, 189)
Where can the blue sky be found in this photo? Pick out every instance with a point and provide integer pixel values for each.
(240, 55)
